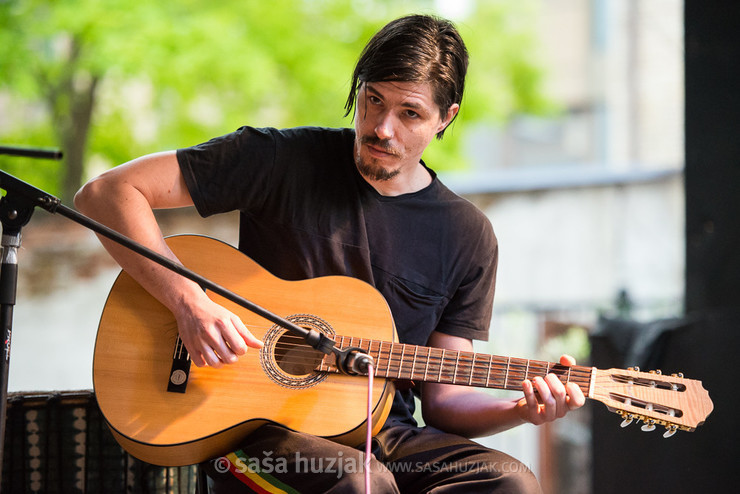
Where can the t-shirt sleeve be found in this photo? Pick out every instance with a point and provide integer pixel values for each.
(229, 172)
(468, 313)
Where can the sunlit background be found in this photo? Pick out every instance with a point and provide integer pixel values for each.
(570, 138)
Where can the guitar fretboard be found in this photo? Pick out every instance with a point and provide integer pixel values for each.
(419, 363)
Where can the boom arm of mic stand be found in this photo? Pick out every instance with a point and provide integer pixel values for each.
(50, 203)
(38, 153)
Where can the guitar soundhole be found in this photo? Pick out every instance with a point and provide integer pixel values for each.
(296, 357)
(288, 360)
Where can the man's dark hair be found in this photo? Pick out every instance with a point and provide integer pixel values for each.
(415, 48)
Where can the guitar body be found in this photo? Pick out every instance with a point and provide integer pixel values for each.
(137, 339)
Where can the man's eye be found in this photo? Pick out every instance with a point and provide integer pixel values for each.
(374, 100)
(412, 114)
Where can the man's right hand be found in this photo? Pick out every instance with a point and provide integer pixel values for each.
(212, 334)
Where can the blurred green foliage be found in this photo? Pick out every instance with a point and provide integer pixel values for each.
(162, 75)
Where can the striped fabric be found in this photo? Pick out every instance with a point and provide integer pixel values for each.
(260, 482)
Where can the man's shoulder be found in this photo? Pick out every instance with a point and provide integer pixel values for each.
(465, 218)
(459, 203)
(313, 132)
(307, 133)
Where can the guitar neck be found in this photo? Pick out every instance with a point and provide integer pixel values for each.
(418, 363)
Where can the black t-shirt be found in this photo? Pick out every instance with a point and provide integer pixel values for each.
(307, 212)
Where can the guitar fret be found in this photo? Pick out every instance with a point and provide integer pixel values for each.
(457, 365)
(526, 371)
(506, 378)
(472, 367)
(426, 367)
(488, 374)
(378, 357)
(441, 364)
(400, 364)
(413, 363)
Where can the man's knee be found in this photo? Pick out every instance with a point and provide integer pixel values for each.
(381, 480)
(512, 476)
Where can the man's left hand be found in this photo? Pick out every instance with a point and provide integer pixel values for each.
(552, 400)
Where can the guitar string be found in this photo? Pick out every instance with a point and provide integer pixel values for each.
(479, 372)
(481, 364)
(478, 367)
(434, 358)
(468, 367)
(434, 361)
(476, 362)
(466, 359)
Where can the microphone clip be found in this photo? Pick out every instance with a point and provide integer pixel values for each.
(353, 361)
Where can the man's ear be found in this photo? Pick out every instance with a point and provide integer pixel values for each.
(451, 112)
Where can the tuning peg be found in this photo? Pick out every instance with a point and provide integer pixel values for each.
(649, 426)
(635, 368)
(656, 371)
(669, 431)
(628, 418)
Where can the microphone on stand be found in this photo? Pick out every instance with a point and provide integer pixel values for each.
(353, 361)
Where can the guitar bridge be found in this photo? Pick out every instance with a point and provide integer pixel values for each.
(180, 370)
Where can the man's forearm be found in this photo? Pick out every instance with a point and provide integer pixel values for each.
(471, 413)
(123, 199)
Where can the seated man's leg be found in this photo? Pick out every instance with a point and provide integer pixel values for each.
(431, 461)
(273, 457)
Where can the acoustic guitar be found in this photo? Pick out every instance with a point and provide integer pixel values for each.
(166, 412)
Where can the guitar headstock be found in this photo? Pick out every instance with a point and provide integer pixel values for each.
(656, 399)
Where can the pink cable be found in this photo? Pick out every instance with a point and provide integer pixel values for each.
(370, 373)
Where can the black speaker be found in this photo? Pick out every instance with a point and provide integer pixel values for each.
(712, 57)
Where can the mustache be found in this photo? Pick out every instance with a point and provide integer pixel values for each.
(383, 144)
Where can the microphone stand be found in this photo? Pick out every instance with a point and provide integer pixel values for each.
(16, 208)
(15, 212)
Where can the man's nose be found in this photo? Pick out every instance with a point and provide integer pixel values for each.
(384, 126)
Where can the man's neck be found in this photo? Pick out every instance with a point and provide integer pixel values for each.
(401, 184)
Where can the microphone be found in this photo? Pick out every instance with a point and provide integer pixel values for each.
(353, 361)
(358, 362)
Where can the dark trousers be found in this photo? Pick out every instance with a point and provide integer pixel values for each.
(405, 459)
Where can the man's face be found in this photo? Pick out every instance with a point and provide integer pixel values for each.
(394, 123)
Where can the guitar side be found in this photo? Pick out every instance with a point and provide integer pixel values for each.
(134, 353)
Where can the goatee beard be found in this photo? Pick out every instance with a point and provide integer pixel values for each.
(369, 168)
(373, 172)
